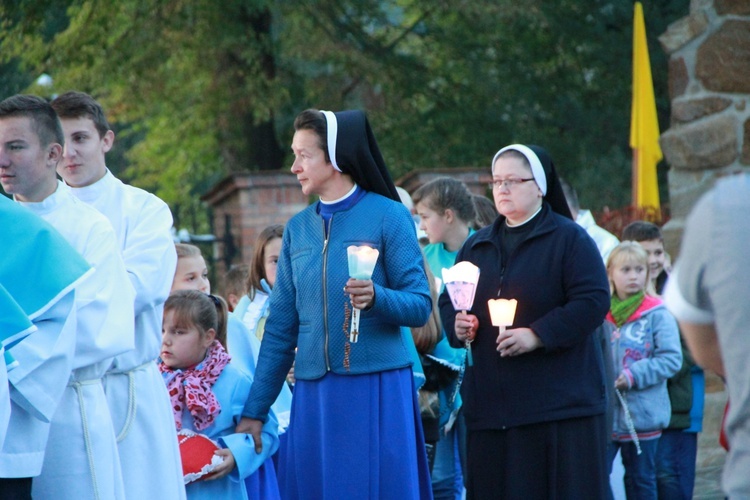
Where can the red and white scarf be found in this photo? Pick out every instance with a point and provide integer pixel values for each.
(191, 388)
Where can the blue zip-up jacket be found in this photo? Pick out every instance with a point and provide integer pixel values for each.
(307, 304)
(647, 350)
(557, 276)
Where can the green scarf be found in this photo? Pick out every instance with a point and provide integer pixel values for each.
(622, 309)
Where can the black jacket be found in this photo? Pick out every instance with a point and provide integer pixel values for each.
(558, 278)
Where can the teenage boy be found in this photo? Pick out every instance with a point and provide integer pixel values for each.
(135, 390)
(38, 275)
(678, 445)
(81, 458)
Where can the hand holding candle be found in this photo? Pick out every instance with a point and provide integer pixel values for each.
(515, 341)
(362, 260)
(461, 282)
(502, 312)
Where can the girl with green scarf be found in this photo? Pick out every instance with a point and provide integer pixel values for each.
(646, 352)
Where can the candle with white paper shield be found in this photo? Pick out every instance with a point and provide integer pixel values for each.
(461, 282)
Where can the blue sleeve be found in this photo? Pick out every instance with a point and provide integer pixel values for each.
(279, 338)
(243, 449)
(406, 301)
(241, 445)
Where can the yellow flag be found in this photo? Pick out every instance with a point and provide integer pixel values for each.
(644, 125)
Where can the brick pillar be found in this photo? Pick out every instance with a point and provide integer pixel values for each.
(250, 201)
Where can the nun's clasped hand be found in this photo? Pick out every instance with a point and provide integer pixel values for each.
(465, 326)
(517, 341)
(361, 293)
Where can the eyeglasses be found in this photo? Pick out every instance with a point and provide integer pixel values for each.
(508, 183)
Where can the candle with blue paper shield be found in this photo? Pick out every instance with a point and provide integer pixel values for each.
(362, 260)
(461, 282)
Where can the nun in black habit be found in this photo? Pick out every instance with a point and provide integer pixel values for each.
(355, 429)
(535, 398)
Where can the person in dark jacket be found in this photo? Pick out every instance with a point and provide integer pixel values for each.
(536, 396)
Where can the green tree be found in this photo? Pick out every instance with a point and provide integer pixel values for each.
(203, 88)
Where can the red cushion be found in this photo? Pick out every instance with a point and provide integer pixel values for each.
(197, 453)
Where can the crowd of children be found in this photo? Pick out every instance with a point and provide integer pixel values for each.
(124, 418)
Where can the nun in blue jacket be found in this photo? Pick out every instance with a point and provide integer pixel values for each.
(355, 429)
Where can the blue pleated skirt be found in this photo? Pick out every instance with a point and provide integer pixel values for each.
(355, 437)
(263, 484)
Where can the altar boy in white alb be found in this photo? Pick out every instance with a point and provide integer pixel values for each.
(135, 390)
(81, 459)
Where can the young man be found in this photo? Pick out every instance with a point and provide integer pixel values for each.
(136, 393)
(678, 444)
(38, 276)
(81, 458)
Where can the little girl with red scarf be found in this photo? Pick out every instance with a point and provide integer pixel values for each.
(207, 393)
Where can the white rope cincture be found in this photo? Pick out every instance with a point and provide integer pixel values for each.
(130, 415)
(77, 385)
(629, 421)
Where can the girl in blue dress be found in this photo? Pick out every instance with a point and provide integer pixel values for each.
(208, 393)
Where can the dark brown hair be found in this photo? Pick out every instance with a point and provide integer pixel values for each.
(257, 265)
(315, 120)
(194, 308)
(81, 105)
(43, 118)
(641, 230)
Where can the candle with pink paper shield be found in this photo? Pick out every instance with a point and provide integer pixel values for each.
(461, 282)
(362, 260)
(502, 312)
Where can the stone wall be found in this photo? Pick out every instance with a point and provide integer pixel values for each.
(709, 86)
